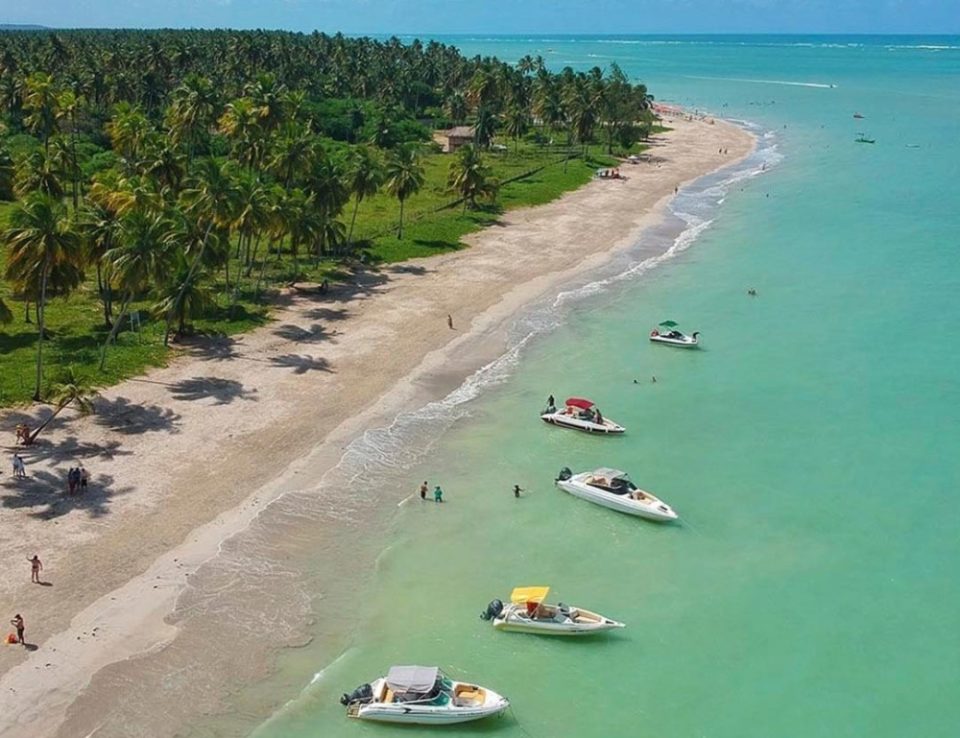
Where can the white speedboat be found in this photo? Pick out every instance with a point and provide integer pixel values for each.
(423, 695)
(675, 338)
(528, 613)
(582, 415)
(612, 488)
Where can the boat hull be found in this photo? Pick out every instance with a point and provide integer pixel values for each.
(676, 342)
(428, 714)
(608, 428)
(514, 620)
(578, 487)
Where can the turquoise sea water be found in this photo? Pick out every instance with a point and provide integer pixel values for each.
(810, 447)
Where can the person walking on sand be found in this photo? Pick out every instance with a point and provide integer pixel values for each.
(19, 469)
(72, 480)
(437, 494)
(83, 478)
(423, 490)
(36, 566)
(17, 623)
(450, 321)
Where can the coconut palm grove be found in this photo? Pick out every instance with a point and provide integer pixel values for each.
(161, 185)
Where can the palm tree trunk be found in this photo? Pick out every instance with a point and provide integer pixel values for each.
(263, 268)
(127, 299)
(253, 259)
(40, 321)
(104, 300)
(26, 311)
(353, 220)
(45, 423)
(400, 230)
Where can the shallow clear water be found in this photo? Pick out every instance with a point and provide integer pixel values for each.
(810, 446)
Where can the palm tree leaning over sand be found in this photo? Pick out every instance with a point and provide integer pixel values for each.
(43, 244)
(404, 176)
(70, 390)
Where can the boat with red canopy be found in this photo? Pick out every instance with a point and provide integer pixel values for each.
(581, 414)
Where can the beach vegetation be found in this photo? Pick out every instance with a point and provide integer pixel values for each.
(155, 183)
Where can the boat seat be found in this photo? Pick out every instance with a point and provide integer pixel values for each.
(468, 695)
(388, 695)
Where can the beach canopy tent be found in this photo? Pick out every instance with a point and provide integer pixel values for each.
(521, 595)
(579, 402)
(412, 678)
(669, 324)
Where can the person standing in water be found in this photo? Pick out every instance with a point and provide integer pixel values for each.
(423, 490)
(517, 491)
(437, 494)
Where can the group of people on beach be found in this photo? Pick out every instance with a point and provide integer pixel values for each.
(77, 478)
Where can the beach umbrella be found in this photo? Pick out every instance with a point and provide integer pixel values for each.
(669, 324)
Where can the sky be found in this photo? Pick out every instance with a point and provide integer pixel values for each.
(440, 17)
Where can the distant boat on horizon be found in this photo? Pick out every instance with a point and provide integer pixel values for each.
(858, 116)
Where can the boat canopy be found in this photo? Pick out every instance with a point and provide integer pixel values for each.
(520, 595)
(412, 678)
(580, 402)
(606, 471)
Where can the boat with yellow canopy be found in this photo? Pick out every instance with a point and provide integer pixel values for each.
(529, 612)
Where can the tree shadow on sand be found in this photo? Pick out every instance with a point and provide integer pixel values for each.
(215, 348)
(328, 314)
(123, 416)
(44, 495)
(311, 334)
(71, 448)
(221, 391)
(301, 364)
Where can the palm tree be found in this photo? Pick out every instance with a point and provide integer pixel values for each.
(404, 176)
(186, 295)
(38, 172)
(71, 389)
(470, 178)
(517, 123)
(129, 130)
(193, 112)
(293, 154)
(98, 225)
(141, 258)
(364, 178)
(40, 103)
(69, 105)
(6, 173)
(42, 243)
(455, 107)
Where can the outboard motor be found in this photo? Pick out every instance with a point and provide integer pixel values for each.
(565, 474)
(493, 610)
(362, 694)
